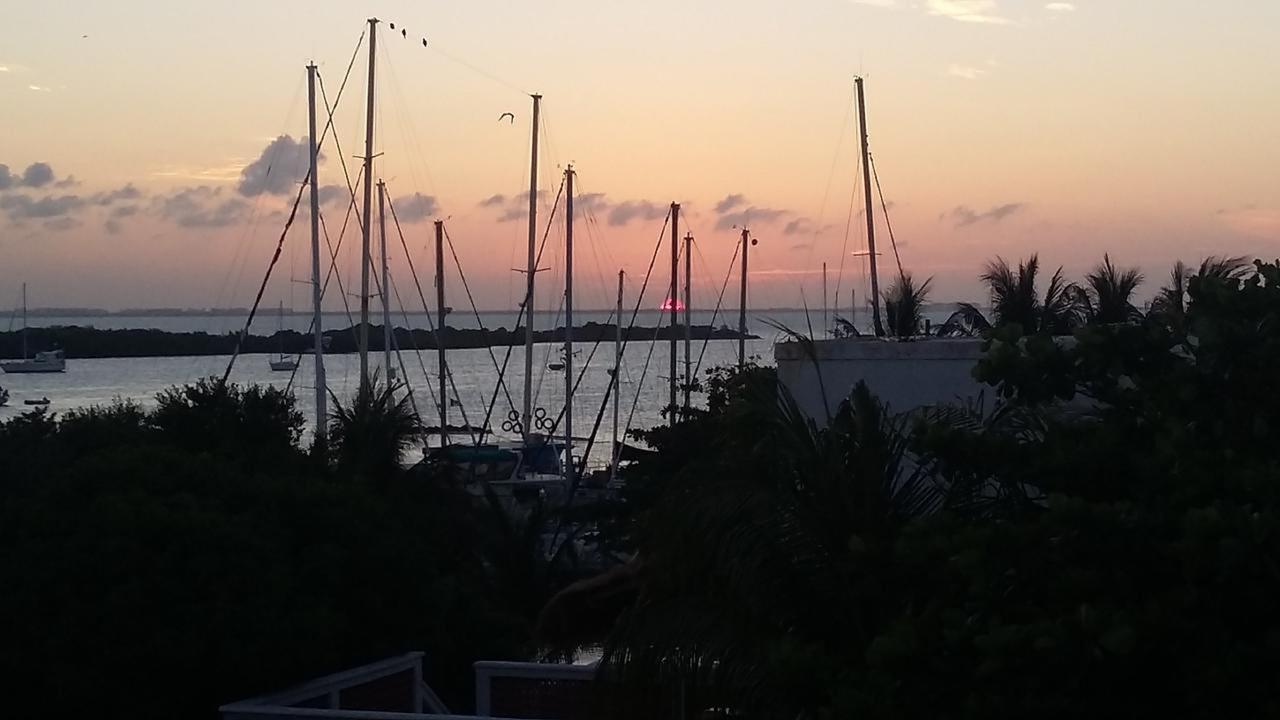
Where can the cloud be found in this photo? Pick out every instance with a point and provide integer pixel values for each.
(965, 71)
(798, 247)
(278, 170)
(113, 227)
(7, 179)
(968, 11)
(67, 182)
(964, 216)
(494, 200)
(511, 207)
(730, 202)
(20, 207)
(123, 211)
(200, 207)
(799, 226)
(416, 207)
(590, 202)
(38, 88)
(37, 175)
(128, 192)
(749, 216)
(333, 193)
(61, 224)
(1060, 7)
(629, 210)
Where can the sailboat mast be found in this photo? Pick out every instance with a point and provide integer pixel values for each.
(531, 269)
(617, 369)
(871, 224)
(825, 327)
(24, 321)
(674, 295)
(742, 303)
(441, 362)
(688, 317)
(317, 329)
(366, 217)
(387, 336)
(568, 324)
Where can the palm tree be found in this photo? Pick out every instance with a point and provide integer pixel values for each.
(904, 306)
(1170, 303)
(370, 436)
(1108, 293)
(1015, 300)
(747, 565)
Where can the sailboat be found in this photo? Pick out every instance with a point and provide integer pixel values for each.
(50, 361)
(282, 362)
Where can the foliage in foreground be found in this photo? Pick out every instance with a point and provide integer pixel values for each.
(161, 562)
(1105, 541)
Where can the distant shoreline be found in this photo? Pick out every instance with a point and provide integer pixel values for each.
(73, 312)
(91, 343)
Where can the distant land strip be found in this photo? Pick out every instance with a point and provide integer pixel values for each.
(88, 342)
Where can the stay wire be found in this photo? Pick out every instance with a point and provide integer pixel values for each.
(476, 311)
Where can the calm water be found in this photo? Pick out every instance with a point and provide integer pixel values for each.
(94, 382)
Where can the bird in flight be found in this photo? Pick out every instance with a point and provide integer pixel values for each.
(508, 115)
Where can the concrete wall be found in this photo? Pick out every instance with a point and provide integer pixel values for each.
(905, 375)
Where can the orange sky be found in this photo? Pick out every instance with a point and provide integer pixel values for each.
(999, 127)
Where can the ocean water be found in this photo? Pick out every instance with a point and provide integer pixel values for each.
(643, 393)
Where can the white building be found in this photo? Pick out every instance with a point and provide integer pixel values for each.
(904, 375)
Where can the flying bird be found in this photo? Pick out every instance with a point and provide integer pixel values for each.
(508, 115)
(393, 26)
(424, 42)
(404, 33)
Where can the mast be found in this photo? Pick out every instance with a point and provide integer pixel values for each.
(871, 224)
(526, 418)
(617, 387)
(440, 313)
(366, 217)
(674, 300)
(568, 324)
(387, 335)
(24, 321)
(318, 331)
(742, 303)
(280, 327)
(688, 316)
(825, 327)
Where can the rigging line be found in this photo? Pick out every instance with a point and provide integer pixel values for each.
(848, 223)
(275, 257)
(476, 311)
(835, 159)
(404, 372)
(885, 207)
(635, 400)
(524, 306)
(417, 283)
(576, 383)
(736, 249)
(477, 69)
(331, 273)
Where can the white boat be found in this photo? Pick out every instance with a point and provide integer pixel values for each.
(50, 361)
(282, 362)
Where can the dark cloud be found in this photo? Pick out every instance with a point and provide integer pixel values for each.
(963, 216)
(278, 170)
(61, 224)
(7, 178)
(113, 227)
(37, 175)
(495, 200)
(67, 182)
(22, 207)
(200, 207)
(121, 211)
(730, 202)
(416, 207)
(334, 193)
(625, 212)
(747, 216)
(512, 207)
(591, 202)
(128, 192)
(799, 226)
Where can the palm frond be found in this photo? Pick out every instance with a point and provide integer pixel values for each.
(904, 306)
(1110, 291)
(966, 321)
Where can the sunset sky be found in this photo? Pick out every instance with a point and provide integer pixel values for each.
(135, 136)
